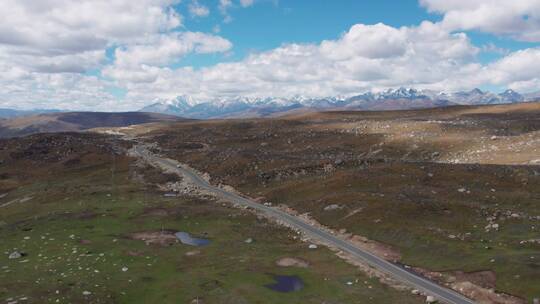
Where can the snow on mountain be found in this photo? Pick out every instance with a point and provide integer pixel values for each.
(400, 93)
(511, 96)
(391, 99)
(175, 106)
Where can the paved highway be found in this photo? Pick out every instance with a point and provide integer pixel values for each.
(441, 293)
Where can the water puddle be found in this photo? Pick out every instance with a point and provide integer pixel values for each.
(286, 283)
(187, 239)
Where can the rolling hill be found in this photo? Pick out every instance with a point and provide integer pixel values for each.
(76, 121)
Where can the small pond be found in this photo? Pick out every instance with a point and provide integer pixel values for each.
(187, 239)
(285, 283)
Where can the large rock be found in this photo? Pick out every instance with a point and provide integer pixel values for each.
(431, 299)
(332, 207)
(15, 255)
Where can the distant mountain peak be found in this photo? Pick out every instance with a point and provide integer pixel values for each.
(182, 101)
(400, 98)
(400, 93)
(512, 96)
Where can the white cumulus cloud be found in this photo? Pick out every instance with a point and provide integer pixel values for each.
(519, 70)
(366, 57)
(198, 10)
(163, 49)
(76, 54)
(519, 19)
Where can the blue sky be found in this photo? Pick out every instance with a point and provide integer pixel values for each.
(124, 54)
(270, 24)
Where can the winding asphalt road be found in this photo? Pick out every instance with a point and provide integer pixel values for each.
(441, 293)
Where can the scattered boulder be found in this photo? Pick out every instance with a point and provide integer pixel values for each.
(492, 226)
(15, 255)
(531, 241)
(328, 168)
(332, 207)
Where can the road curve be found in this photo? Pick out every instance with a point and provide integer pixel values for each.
(441, 293)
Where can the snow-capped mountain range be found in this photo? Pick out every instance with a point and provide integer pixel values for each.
(392, 99)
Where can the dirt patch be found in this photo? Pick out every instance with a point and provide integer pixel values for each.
(160, 238)
(485, 296)
(292, 262)
(485, 279)
(479, 286)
